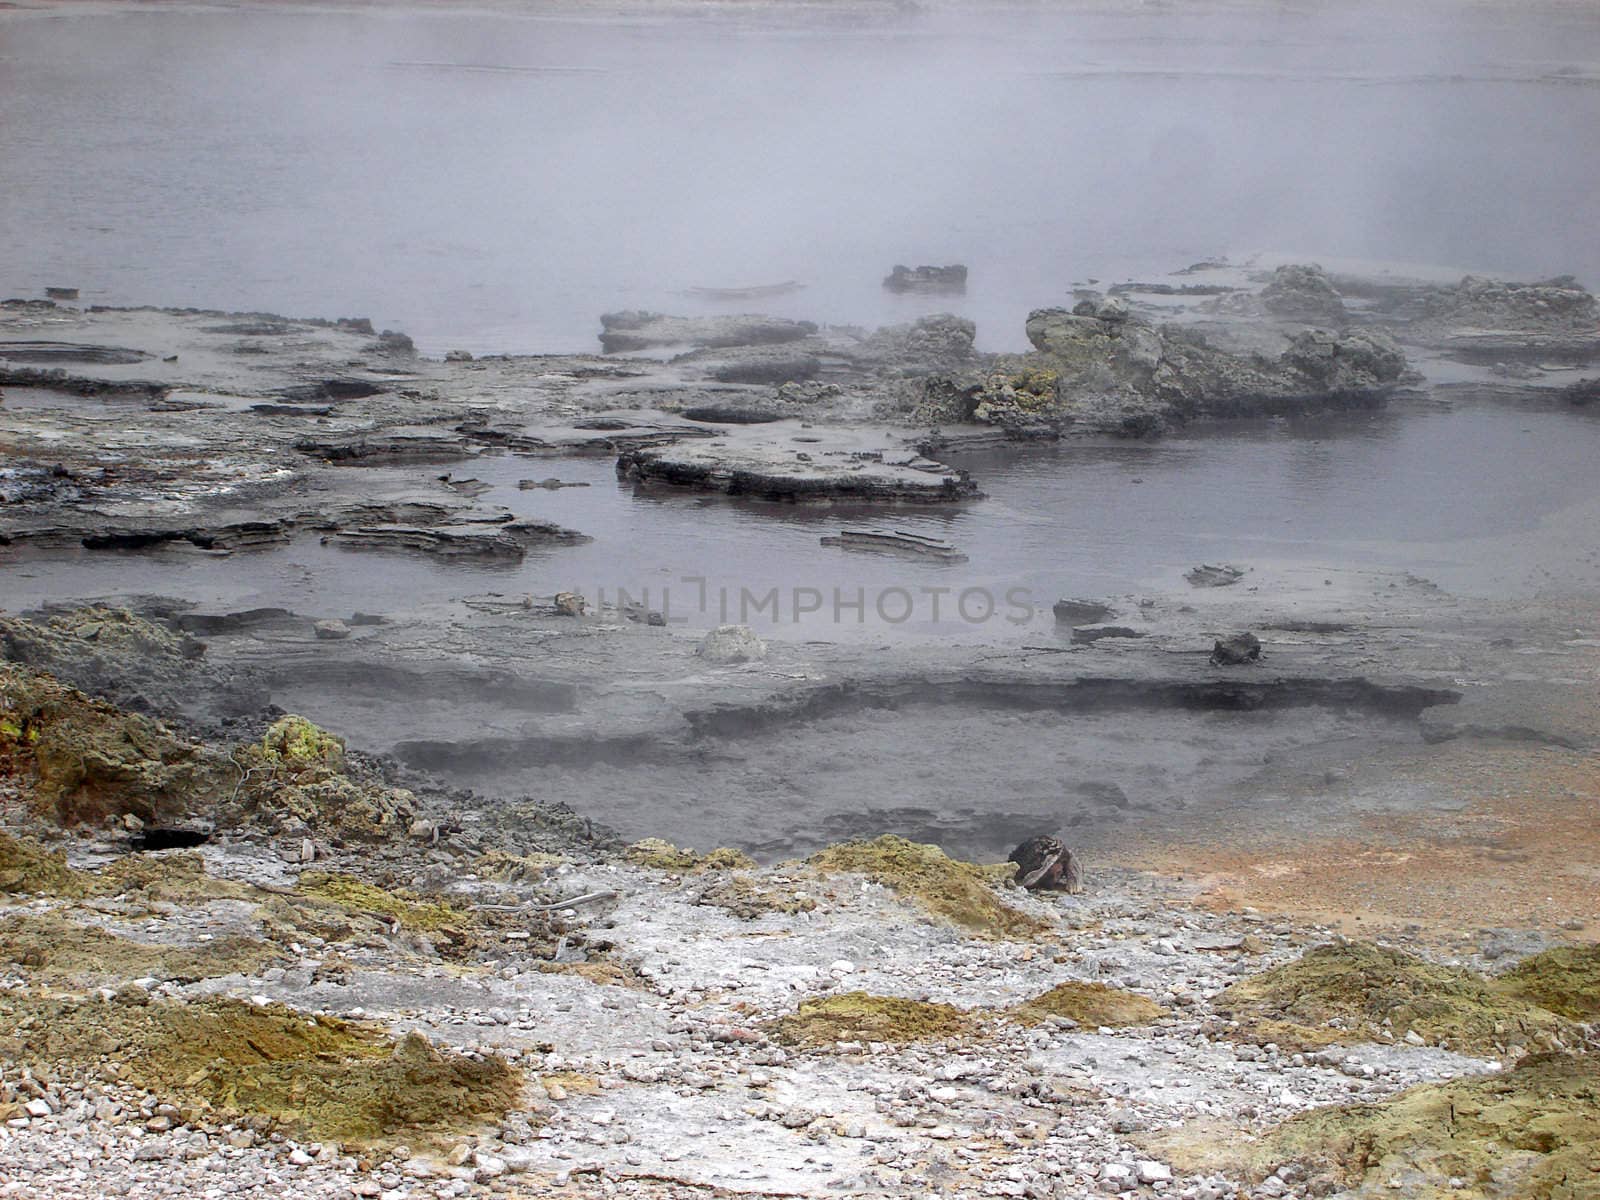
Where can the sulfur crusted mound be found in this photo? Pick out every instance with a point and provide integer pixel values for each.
(1089, 1004)
(1565, 979)
(87, 760)
(863, 1017)
(300, 772)
(295, 743)
(664, 856)
(1532, 1133)
(353, 894)
(53, 947)
(317, 1077)
(28, 868)
(741, 896)
(925, 875)
(1358, 992)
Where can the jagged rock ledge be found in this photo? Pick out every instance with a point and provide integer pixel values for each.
(783, 461)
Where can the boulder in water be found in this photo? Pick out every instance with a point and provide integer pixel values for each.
(732, 644)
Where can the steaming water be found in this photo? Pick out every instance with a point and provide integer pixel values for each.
(1480, 500)
(495, 182)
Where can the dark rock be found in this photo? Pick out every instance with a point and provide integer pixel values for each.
(1237, 650)
(395, 344)
(935, 280)
(221, 624)
(235, 535)
(170, 837)
(333, 389)
(1080, 612)
(69, 352)
(733, 413)
(1082, 635)
(1044, 863)
(507, 540)
(769, 368)
(61, 293)
(895, 541)
(1207, 575)
(1582, 393)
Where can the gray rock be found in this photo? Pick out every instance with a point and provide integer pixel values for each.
(732, 644)
(1237, 650)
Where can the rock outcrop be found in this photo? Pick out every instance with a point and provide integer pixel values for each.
(1116, 373)
(732, 644)
(952, 278)
(1559, 305)
(934, 342)
(770, 462)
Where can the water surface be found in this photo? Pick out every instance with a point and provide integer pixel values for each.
(495, 182)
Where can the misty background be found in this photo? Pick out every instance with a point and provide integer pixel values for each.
(495, 182)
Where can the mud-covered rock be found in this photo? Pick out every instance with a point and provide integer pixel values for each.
(741, 896)
(768, 462)
(1080, 612)
(27, 868)
(664, 856)
(1582, 393)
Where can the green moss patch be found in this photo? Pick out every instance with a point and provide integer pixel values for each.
(1532, 1133)
(664, 856)
(1565, 980)
(86, 760)
(863, 1017)
(29, 869)
(317, 1077)
(54, 948)
(412, 912)
(1093, 1004)
(959, 892)
(1356, 991)
(172, 876)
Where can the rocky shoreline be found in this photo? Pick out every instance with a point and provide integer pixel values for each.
(243, 952)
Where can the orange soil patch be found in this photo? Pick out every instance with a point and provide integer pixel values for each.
(1524, 849)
